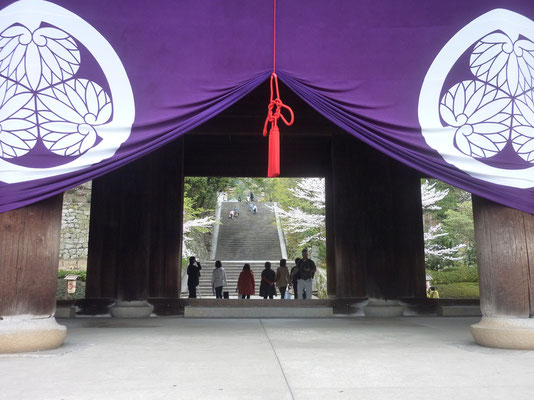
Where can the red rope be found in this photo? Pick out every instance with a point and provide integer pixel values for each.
(274, 112)
(274, 38)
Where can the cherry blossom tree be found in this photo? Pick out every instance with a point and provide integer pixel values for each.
(190, 226)
(436, 253)
(430, 195)
(306, 220)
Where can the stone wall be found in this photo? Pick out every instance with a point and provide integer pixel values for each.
(75, 227)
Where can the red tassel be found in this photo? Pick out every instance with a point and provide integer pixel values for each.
(274, 153)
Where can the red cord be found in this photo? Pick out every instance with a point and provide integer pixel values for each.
(273, 116)
(274, 112)
(274, 38)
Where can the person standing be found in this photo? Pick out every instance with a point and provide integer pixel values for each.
(218, 280)
(251, 196)
(282, 278)
(295, 276)
(267, 287)
(193, 277)
(433, 293)
(245, 283)
(307, 270)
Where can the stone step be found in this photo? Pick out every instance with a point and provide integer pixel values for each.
(249, 235)
(258, 312)
(458, 310)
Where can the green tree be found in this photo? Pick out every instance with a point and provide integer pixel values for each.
(448, 224)
(202, 191)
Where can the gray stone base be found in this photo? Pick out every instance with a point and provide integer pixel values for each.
(131, 309)
(19, 335)
(505, 333)
(459, 311)
(383, 309)
(65, 312)
(258, 312)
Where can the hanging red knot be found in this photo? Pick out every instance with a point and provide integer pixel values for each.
(274, 112)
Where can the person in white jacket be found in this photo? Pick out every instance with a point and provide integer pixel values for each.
(218, 279)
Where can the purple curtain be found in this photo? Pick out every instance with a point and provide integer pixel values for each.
(445, 87)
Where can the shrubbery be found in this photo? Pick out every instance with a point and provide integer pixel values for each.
(454, 274)
(458, 290)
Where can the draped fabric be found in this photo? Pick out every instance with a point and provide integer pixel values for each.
(445, 87)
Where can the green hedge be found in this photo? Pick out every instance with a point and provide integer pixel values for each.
(458, 290)
(62, 273)
(454, 274)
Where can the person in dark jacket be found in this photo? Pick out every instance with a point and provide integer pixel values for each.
(295, 277)
(245, 283)
(267, 287)
(193, 277)
(307, 271)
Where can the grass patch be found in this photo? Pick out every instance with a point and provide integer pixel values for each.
(458, 290)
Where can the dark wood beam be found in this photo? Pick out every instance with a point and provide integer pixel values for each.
(379, 248)
(136, 228)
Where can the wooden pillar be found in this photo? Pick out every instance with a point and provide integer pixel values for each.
(104, 238)
(505, 248)
(29, 258)
(347, 217)
(136, 228)
(331, 281)
(379, 245)
(167, 198)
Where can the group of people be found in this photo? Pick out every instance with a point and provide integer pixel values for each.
(218, 278)
(300, 278)
(234, 213)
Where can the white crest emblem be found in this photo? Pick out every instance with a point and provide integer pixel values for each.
(478, 118)
(46, 102)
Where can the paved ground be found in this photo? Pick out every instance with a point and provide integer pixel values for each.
(339, 358)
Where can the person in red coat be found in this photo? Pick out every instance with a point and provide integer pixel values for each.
(245, 283)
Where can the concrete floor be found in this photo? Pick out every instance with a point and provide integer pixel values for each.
(336, 358)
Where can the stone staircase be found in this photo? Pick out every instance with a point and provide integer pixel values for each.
(251, 238)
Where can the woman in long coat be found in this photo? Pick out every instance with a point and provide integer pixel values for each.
(245, 283)
(267, 288)
(283, 278)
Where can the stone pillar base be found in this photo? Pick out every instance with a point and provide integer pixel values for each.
(505, 333)
(131, 309)
(383, 308)
(65, 312)
(19, 335)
